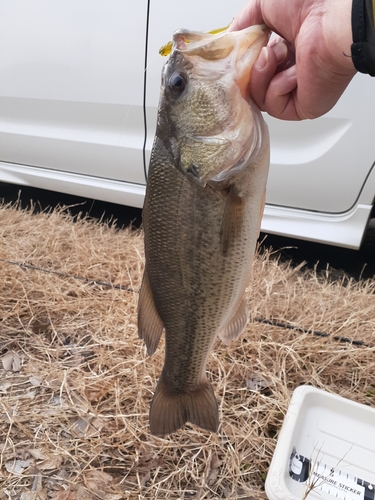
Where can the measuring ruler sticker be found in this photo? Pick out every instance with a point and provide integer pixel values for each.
(329, 479)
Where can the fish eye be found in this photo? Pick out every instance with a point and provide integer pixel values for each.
(177, 83)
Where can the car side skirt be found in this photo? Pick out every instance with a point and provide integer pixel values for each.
(345, 229)
(97, 188)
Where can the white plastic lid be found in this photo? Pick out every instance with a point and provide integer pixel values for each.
(326, 449)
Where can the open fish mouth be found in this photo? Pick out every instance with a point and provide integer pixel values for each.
(206, 77)
(166, 49)
(220, 44)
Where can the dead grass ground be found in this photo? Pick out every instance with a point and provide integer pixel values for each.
(76, 383)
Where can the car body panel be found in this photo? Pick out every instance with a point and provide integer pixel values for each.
(71, 92)
(325, 161)
(346, 229)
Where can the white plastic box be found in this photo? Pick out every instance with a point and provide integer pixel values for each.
(326, 449)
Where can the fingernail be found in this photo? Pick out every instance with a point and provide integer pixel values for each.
(281, 51)
(262, 59)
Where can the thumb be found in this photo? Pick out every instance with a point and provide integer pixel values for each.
(251, 14)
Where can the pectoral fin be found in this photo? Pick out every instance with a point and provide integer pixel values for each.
(232, 223)
(150, 325)
(236, 325)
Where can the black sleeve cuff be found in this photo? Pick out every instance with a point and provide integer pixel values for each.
(363, 28)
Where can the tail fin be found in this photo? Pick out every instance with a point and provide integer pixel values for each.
(171, 410)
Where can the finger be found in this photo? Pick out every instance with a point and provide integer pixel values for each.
(271, 61)
(280, 98)
(261, 75)
(284, 54)
(250, 14)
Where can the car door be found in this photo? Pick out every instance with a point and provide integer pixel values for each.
(322, 165)
(71, 86)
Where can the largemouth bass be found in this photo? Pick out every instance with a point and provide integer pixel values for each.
(204, 202)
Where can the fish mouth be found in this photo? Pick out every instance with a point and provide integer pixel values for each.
(220, 45)
(228, 51)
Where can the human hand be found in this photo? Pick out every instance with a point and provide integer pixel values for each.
(304, 70)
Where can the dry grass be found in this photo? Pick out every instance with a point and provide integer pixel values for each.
(76, 383)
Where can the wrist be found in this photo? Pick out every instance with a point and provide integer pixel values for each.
(363, 29)
(338, 30)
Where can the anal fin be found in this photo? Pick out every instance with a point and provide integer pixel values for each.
(171, 410)
(150, 325)
(236, 325)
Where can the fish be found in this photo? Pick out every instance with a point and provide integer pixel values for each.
(204, 202)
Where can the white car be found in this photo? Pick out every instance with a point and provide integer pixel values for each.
(78, 113)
